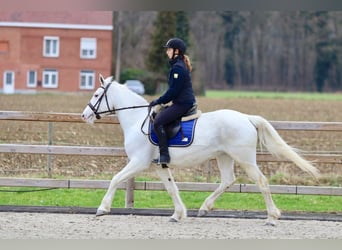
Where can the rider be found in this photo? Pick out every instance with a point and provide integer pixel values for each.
(180, 92)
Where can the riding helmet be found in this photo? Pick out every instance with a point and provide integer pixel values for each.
(176, 43)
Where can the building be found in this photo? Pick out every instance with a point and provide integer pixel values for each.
(54, 51)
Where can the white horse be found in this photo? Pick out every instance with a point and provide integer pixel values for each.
(225, 135)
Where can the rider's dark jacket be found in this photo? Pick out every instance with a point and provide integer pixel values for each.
(180, 89)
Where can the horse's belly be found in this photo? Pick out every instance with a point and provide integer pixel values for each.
(193, 155)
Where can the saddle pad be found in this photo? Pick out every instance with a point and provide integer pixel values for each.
(183, 138)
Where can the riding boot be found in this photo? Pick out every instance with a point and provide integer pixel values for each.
(163, 146)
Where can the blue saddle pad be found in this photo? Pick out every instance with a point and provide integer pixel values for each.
(183, 138)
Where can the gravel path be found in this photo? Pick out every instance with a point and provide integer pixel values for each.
(84, 226)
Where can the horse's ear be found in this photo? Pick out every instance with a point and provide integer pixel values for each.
(102, 80)
(110, 78)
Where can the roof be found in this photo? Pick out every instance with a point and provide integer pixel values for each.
(57, 19)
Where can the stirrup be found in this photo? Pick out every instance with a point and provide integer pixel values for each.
(163, 164)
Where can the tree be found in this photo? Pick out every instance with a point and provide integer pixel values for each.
(264, 50)
(233, 22)
(326, 51)
(183, 27)
(165, 28)
(168, 24)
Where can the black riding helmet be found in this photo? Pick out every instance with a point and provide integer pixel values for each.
(176, 43)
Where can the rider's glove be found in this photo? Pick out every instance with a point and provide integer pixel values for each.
(154, 103)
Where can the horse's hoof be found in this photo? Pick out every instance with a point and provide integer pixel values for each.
(101, 212)
(173, 220)
(270, 223)
(202, 213)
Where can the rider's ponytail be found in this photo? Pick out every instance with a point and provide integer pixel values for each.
(187, 62)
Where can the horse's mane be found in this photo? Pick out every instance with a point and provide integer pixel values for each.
(137, 98)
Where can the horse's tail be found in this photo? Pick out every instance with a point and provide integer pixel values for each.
(270, 138)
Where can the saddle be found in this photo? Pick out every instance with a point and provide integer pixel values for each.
(174, 127)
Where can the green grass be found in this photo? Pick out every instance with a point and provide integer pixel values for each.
(160, 199)
(274, 95)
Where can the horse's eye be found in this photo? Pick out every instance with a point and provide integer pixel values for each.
(96, 95)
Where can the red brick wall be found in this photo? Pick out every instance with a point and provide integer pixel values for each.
(26, 53)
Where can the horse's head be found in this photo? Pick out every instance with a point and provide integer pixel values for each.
(98, 104)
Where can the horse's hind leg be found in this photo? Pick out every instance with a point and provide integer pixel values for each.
(256, 175)
(171, 187)
(226, 166)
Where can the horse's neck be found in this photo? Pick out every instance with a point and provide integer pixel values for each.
(124, 98)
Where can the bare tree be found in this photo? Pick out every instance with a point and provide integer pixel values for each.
(273, 50)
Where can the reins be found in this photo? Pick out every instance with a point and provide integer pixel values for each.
(132, 107)
(112, 111)
(147, 116)
(96, 106)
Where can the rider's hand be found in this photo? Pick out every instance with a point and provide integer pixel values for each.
(153, 103)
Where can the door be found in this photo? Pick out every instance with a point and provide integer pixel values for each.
(9, 82)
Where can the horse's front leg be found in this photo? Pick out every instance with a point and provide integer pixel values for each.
(171, 187)
(130, 170)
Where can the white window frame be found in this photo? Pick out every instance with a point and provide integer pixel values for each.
(89, 77)
(88, 47)
(50, 78)
(51, 46)
(32, 84)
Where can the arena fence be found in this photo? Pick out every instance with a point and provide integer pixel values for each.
(131, 185)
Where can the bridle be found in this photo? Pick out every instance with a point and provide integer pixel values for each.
(96, 106)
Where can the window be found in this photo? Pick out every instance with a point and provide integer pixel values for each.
(50, 78)
(88, 48)
(51, 46)
(32, 78)
(8, 77)
(87, 79)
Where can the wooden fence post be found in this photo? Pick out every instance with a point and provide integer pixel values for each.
(49, 157)
(130, 193)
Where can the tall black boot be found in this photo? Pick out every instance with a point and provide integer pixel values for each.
(163, 146)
